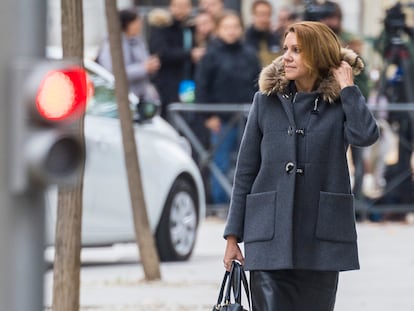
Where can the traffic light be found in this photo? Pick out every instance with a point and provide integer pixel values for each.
(45, 146)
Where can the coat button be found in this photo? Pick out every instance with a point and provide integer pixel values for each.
(289, 167)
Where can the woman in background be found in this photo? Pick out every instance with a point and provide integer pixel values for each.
(139, 65)
(227, 73)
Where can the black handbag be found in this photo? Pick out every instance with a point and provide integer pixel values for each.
(230, 296)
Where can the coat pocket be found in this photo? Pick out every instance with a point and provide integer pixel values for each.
(336, 217)
(259, 221)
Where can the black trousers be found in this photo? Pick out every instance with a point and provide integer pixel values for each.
(293, 290)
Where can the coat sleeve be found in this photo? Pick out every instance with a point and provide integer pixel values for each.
(247, 168)
(135, 71)
(204, 74)
(361, 128)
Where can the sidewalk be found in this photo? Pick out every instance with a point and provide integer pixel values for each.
(385, 281)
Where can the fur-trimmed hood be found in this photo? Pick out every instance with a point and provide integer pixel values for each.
(159, 18)
(272, 78)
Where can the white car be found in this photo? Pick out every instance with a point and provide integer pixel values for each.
(172, 184)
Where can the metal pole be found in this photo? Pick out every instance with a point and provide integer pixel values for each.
(23, 33)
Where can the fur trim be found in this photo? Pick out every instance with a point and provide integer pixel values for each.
(159, 18)
(272, 78)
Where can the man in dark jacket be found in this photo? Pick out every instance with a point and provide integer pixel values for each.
(259, 35)
(171, 38)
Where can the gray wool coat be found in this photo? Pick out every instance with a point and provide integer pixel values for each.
(291, 202)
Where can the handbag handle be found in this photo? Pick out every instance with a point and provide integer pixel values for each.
(228, 275)
(232, 281)
(245, 285)
(233, 284)
(240, 280)
(223, 285)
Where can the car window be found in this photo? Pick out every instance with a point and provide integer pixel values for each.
(103, 102)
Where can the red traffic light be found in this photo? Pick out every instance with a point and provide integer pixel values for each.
(62, 94)
(46, 96)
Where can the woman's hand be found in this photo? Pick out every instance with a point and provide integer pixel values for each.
(232, 252)
(197, 54)
(343, 75)
(152, 64)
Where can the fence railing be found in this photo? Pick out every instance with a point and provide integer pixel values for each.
(179, 115)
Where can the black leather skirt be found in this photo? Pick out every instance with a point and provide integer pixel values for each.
(293, 290)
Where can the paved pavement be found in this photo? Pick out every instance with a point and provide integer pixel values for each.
(385, 281)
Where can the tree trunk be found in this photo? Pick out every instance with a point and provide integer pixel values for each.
(146, 244)
(66, 278)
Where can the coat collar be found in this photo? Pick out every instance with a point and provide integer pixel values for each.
(272, 78)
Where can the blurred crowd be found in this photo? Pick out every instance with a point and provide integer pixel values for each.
(207, 54)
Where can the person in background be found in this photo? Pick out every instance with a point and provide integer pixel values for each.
(214, 7)
(395, 45)
(291, 203)
(140, 66)
(286, 15)
(205, 26)
(227, 73)
(260, 35)
(351, 41)
(171, 37)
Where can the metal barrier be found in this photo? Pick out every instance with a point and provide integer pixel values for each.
(366, 207)
(178, 114)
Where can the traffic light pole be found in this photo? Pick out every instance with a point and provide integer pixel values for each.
(23, 33)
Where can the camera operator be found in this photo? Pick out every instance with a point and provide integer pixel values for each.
(330, 13)
(395, 44)
(395, 34)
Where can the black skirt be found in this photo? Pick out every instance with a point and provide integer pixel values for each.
(293, 290)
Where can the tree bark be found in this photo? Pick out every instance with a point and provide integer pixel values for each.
(66, 278)
(145, 240)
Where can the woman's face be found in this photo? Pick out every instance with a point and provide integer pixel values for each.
(204, 24)
(230, 29)
(134, 28)
(294, 63)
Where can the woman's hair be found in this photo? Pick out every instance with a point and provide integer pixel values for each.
(126, 17)
(320, 46)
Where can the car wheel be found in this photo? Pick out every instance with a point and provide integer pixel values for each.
(177, 229)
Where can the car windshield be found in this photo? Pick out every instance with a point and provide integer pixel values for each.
(103, 102)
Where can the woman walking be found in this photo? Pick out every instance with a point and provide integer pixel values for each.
(291, 202)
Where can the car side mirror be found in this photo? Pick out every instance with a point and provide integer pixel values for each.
(146, 110)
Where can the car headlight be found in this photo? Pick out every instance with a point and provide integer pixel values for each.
(185, 145)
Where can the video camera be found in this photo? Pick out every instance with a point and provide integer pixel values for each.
(394, 21)
(395, 27)
(316, 11)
